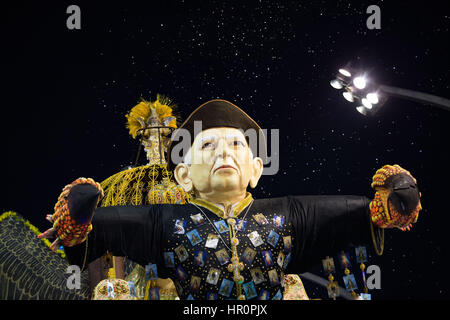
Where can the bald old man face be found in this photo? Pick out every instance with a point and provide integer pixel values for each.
(219, 164)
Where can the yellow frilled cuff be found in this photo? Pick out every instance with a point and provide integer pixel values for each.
(382, 211)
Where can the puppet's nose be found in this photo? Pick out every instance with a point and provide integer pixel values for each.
(222, 149)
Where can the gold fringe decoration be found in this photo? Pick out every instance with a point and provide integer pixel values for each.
(142, 186)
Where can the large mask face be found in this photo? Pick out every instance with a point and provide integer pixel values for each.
(220, 160)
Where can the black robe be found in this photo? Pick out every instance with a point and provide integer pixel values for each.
(297, 233)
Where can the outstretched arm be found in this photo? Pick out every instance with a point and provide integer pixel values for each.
(88, 232)
(132, 231)
(323, 225)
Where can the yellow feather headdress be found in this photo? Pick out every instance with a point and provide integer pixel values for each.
(140, 114)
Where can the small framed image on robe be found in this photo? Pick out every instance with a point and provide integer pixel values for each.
(110, 290)
(350, 282)
(223, 256)
(361, 254)
(200, 258)
(194, 237)
(195, 283)
(278, 221)
(328, 265)
(213, 276)
(257, 275)
(182, 253)
(264, 295)
(278, 295)
(344, 260)
(226, 287)
(280, 259)
(211, 296)
(151, 272)
(240, 225)
(169, 260)
(333, 291)
(180, 226)
(272, 239)
(131, 289)
(260, 219)
(212, 241)
(248, 256)
(255, 238)
(249, 290)
(287, 243)
(198, 219)
(267, 257)
(365, 296)
(181, 273)
(221, 226)
(273, 278)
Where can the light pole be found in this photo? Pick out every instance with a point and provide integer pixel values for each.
(371, 97)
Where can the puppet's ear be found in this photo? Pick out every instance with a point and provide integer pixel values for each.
(183, 177)
(257, 169)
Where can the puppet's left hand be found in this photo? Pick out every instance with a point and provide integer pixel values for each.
(397, 199)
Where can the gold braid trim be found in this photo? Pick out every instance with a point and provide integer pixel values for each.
(219, 211)
(378, 248)
(85, 254)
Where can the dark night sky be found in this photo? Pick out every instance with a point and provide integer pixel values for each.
(66, 92)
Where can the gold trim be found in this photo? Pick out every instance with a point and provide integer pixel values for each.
(242, 205)
(85, 255)
(384, 194)
(218, 211)
(374, 241)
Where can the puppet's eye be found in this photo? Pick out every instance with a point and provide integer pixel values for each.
(238, 143)
(207, 145)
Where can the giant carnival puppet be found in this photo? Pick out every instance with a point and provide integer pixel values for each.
(212, 239)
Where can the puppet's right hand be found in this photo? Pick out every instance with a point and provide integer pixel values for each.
(73, 213)
(397, 198)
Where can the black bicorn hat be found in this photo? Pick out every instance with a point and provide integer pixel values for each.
(213, 114)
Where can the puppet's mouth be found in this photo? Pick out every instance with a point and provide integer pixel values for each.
(225, 166)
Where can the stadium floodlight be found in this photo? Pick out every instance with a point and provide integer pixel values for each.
(348, 96)
(337, 84)
(372, 97)
(366, 103)
(345, 72)
(362, 110)
(360, 82)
